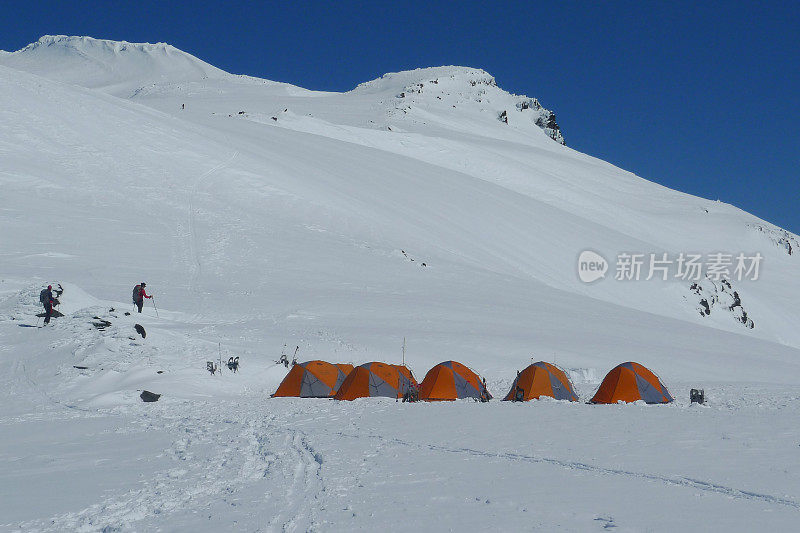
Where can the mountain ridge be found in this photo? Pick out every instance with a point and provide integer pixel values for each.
(106, 64)
(127, 69)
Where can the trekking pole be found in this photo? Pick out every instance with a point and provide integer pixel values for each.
(154, 306)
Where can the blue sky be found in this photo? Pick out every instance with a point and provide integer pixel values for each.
(698, 96)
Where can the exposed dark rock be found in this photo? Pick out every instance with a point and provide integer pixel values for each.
(548, 123)
(779, 237)
(148, 396)
(411, 259)
(101, 323)
(720, 294)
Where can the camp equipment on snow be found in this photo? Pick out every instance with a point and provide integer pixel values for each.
(541, 379)
(376, 379)
(630, 382)
(450, 380)
(697, 396)
(313, 379)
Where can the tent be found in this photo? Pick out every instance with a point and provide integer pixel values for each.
(313, 379)
(376, 379)
(630, 382)
(450, 380)
(541, 379)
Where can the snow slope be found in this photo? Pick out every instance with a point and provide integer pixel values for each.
(264, 215)
(109, 65)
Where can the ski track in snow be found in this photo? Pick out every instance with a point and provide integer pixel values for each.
(222, 452)
(573, 465)
(215, 457)
(680, 482)
(196, 266)
(302, 471)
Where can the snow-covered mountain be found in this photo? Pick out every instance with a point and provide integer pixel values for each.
(108, 65)
(428, 205)
(372, 165)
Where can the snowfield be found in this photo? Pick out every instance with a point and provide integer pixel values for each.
(427, 205)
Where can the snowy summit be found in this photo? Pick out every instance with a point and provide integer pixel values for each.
(99, 63)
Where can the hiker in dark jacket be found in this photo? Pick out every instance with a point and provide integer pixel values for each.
(139, 295)
(47, 300)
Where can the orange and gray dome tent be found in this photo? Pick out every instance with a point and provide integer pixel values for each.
(450, 380)
(630, 382)
(376, 379)
(313, 379)
(541, 379)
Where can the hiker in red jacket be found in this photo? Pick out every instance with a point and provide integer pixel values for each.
(139, 295)
(47, 300)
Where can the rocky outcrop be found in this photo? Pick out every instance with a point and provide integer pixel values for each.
(546, 119)
(779, 237)
(719, 296)
(457, 88)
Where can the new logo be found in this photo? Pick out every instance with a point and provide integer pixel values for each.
(591, 266)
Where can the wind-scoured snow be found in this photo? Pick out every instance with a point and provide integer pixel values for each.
(108, 65)
(427, 205)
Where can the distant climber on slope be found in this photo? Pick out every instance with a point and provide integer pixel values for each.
(47, 299)
(139, 295)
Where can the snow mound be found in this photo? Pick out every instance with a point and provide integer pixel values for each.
(394, 81)
(114, 66)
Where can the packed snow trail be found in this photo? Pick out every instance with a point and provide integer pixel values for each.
(278, 465)
(681, 482)
(197, 267)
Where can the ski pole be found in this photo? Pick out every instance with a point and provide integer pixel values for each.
(37, 321)
(154, 306)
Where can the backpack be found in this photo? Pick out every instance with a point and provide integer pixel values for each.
(137, 293)
(44, 299)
